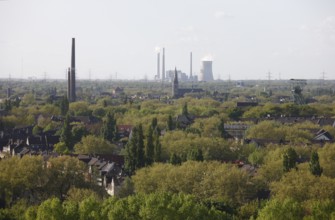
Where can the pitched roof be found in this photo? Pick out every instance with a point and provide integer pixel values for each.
(109, 167)
(93, 161)
(323, 135)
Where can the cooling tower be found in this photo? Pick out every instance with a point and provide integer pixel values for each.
(206, 73)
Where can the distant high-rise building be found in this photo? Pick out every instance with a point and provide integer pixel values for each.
(72, 75)
(206, 73)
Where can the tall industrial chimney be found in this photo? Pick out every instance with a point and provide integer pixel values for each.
(73, 72)
(158, 65)
(163, 65)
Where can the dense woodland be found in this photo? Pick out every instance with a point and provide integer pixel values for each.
(175, 169)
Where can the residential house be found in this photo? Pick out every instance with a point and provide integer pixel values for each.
(323, 135)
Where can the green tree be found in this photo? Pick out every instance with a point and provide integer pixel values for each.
(99, 112)
(195, 154)
(235, 113)
(302, 186)
(70, 210)
(64, 105)
(80, 108)
(157, 145)
(28, 99)
(290, 158)
(78, 132)
(79, 194)
(185, 110)
(170, 123)
(20, 176)
(64, 173)
(159, 206)
(37, 130)
(126, 189)
(135, 155)
(149, 147)
(221, 128)
(61, 148)
(50, 209)
(8, 105)
(281, 210)
(66, 134)
(270, 130)
(131, 151)
(327, 155)
(211, 180)
(89, 209)
(175, 159)
(256, 158)
(31, 213)
(154, 123)
(322, 209)
(91, 144)
(108, 129)
(140, 148)
(314, 165)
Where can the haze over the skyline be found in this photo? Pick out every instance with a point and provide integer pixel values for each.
(245, 38)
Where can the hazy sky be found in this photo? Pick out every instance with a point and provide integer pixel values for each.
(245, 38)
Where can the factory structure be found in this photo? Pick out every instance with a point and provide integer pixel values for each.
(174, 76)
(180, 92)
(71, 75)
(206, 73)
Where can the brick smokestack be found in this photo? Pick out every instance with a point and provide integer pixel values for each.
(73, 72)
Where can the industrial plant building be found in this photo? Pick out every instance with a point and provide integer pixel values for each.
(180, 92)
